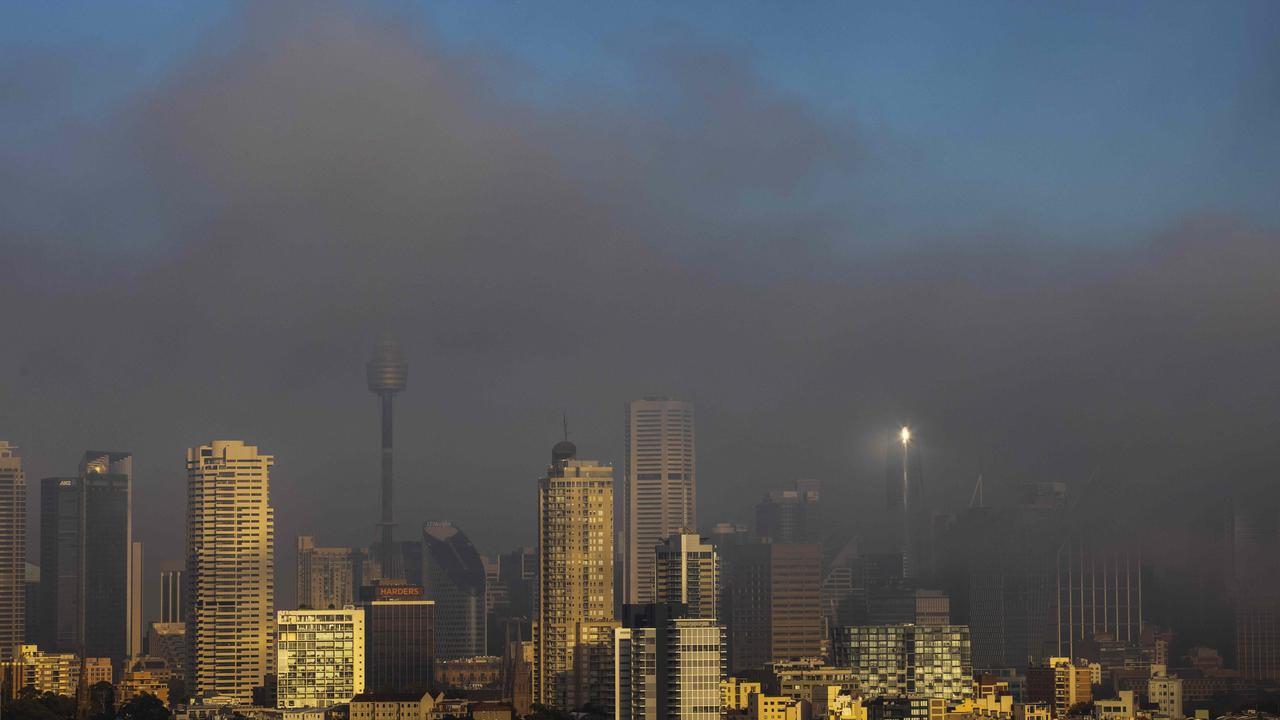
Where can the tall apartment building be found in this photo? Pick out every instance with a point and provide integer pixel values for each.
(575, 578)
(172, 607)
(324, 577)
(774, 604)
(908, 660)
(400, 639)
(667, 665)
(792, 516)
(320, 657)
(661, 485)
(89, 597)
(1059, 683)
(688, 572)
(230, 569)
(453, 575)
(13, 550)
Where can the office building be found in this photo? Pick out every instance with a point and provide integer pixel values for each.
(1001, 580)
(1253, 566)
(453, 576)
(667, 665)
(230, 570)
(31, 605)
(320, 657)
(905, 503)
(791, 516)
(688, 573)
(58, 673)
(171, 594)
(325, 575)
(774, 606)
(908, 660)
(1060, 684)
(1098, 592)
(512, 599)
(61, 542)
(13, 550)
(168, 641)
(400, 631)
(661, 482)
(897, 605)
(573, 634)
(90, 599)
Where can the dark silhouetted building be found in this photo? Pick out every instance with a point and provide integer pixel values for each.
(13, 550)
(772, 604)
(87, 595)
(791, 516)
(454, 577)
(400, 632)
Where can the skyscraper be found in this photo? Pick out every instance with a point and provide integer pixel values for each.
(1098, 590)
(774, 604)
(661, 485)
(387, 374)
(230, 569)
(89, 600)
(320, 657)
(688, 572)
(106, 484)
(667, 665)
(1253, 559)
(792, 516)
(904, 494)
(172, 608)
(13, 550)
(575, 577)
(60, 549)
(324, 575)
(454, 577)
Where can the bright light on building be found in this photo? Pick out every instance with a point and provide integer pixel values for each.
(905, 434)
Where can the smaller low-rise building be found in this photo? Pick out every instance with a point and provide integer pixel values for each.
(96, 670)
(1123, 707)
(777, 707)
(392, 706)
(899, 707)
(492, 711)
(735, 692)
(150, 675)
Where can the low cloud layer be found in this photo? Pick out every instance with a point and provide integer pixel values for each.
(283, 200)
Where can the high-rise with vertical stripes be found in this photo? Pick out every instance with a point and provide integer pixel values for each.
(230, 570)
(13, 550)
(661, 484)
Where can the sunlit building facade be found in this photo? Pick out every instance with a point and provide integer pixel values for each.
(320, 657)
(13, 550)
(573, 631)
(688, 572)
(899, 660)
(230, 570)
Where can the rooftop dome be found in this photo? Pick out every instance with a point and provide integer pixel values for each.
(563, 450)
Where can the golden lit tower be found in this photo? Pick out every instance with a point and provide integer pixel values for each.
(573, 635)
(388, 374)
(230, 570)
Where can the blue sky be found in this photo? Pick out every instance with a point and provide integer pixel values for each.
(1086, 122)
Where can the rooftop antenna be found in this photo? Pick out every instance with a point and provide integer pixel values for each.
(566, 425)
(975, 500)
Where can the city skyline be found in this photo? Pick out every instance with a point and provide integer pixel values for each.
(924, 350)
